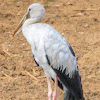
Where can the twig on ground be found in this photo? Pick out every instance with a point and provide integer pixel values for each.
(30, 75)
(41, 77)
(6, 75)
(86, 9)
(6, 51)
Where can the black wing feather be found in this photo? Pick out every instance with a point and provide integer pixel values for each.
(71, 50)
(72, 84)
(35, 61)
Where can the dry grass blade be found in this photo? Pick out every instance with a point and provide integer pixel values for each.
(5, 50)
(86, 10)
(41, 77)
(6, 75)
(26, 72)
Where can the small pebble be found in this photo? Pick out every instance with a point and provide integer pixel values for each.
(85, 25)
(95, 19)
(79, 13)
(69, 3)
(9, 45)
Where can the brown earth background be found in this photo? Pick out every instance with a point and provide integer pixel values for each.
(77, 20)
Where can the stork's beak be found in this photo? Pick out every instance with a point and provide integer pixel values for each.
(19, 27)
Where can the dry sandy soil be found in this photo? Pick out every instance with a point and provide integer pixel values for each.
(77, 20)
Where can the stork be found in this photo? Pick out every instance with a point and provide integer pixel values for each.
(52, 53)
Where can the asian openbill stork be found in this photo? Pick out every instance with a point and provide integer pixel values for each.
(52, 53)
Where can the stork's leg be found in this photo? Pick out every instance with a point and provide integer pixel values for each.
(49, 89)
(55, 91)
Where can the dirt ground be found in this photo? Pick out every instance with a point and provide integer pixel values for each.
(78, 21)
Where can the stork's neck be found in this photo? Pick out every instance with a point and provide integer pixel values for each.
(30, 21)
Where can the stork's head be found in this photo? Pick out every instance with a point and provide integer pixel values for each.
(35, 11)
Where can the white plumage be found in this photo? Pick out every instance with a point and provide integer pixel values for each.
(45, 40)
(51, 51)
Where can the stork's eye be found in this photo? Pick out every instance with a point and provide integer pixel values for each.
(29, 9)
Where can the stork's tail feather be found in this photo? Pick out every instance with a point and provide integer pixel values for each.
(71, 97)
